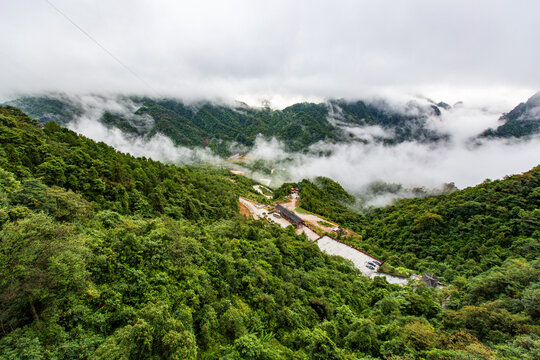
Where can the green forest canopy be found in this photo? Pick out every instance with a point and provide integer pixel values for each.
(218, 126)
(461, 233)
(107, 256)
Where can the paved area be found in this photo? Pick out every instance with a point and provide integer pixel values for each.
(259, 190)
(260, 211)
(309, 218)
(325, 243)
(256, 211)
(290, 205)
(278, 220)
(358, 258)
(314, 220)
(392, 279)
(310, 234)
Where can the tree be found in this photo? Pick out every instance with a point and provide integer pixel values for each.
(41, 262)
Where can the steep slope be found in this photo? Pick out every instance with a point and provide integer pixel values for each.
(408, 124)
(112, 180)
(89, 271)
(522, 121)
(218, 126)
(59, 109)
(463, 233)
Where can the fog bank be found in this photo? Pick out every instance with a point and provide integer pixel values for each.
(463, 158)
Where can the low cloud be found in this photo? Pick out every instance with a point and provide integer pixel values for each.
(369, 133)
(268, 150)
(280, 50)
(158, 147)
(416, 165)
(462, 159)
(355, 165)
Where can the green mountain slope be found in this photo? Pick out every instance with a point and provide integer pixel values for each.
(523, 120)
(463, 233)
(107, 256)
(59, 109)
(218, 126)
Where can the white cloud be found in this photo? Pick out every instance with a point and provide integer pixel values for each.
(355, 165)
(268, 150)
(416, 165)
(459, 160)
(453, 50)
(158, 147)
(369, 132)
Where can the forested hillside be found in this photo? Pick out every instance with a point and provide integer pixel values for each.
(466, 232)
(522, 121)
(218, 126)
(107, 256)
(111, 180)
(463, 233)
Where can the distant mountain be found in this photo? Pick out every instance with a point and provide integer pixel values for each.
(404, 124)
(522, 121)
(57, 108)
(218, 126)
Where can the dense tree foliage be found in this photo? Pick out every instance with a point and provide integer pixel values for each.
(218, 126)
(97, 266)
(111, 180)
(465, 232)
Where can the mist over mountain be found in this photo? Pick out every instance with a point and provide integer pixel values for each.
(269, 180)
(522, 121)
(412, 142)
(109, 256)
(219, 125)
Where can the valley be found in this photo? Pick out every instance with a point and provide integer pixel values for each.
(377, 148)
(124, 243)
(322, 234)
(269, 180)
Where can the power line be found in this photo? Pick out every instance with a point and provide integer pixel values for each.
(101, 46)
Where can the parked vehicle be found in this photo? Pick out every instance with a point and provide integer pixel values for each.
(370, 266)
(377, 262)
(276, 214)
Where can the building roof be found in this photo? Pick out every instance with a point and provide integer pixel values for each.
(289, 215)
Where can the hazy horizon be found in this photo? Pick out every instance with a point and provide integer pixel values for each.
(354, 165)
(481, 52)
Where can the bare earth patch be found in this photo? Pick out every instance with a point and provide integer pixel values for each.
(244, 210)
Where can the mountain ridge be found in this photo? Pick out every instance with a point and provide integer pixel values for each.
(217, 126)
(521, 121)
(227, 128)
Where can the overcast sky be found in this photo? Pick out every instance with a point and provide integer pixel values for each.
(279, 50)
